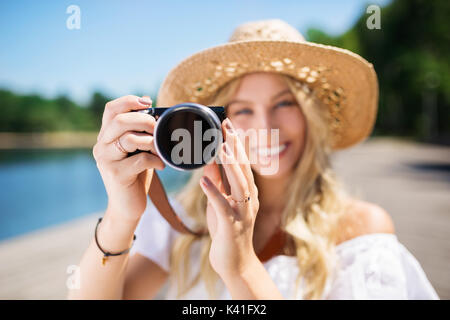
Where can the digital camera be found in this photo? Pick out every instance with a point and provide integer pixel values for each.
(187, 136)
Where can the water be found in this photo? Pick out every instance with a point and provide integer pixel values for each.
(41, 188)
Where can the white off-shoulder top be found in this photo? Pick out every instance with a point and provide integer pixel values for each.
(372, 266)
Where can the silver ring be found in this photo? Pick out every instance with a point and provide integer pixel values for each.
(119, 146)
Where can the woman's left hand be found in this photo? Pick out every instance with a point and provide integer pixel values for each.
(231, 218)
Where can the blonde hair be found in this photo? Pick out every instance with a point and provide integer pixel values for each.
(314, 204)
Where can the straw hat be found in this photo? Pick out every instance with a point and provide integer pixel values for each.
(341, 79)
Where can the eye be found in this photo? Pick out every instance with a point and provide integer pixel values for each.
(242, 111)
(285, 103)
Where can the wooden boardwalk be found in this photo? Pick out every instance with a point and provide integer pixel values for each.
(411, 181)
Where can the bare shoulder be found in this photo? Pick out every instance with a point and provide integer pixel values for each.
(362, 218)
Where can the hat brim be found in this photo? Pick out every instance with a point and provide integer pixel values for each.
(348, 81)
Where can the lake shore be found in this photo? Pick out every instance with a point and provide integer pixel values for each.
(410, 180)
(74, 140)
(47, 140)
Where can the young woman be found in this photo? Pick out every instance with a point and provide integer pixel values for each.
(319, 99)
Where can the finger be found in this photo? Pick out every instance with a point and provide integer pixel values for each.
(235, 176)
(131, 121)
(122, 105)
(220, 205)
(130, 142)
(212, 171)
(240, 154)
(125, 104)
(129, 168)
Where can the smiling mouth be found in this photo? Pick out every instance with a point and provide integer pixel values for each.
(271, 151)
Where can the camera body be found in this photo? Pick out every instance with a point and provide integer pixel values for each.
(187, 136)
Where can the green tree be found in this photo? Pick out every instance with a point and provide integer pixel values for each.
(97, 106)
(410, 55)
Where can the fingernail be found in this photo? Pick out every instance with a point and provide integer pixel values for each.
(227, 150)
(146, 101)
(205, 181)
(229, 125)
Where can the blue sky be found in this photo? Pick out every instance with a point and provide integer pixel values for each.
(124, 47)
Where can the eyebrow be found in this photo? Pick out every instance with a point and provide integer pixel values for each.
(279, 94)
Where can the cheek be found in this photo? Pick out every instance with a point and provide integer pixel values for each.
(295, 132)
(293, 125)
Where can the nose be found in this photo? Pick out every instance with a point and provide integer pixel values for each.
(267, 128)
(263, 120)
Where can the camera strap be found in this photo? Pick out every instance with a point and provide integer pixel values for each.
(160, 200)
(158, 196)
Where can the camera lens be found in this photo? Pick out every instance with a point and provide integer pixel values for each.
(187, 136)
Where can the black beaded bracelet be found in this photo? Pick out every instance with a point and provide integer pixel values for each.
(105, 253)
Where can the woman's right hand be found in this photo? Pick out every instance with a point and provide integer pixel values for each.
(126, 179)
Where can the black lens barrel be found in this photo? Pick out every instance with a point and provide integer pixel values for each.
(185, 116)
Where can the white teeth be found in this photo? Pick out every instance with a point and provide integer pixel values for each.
(264, 152)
